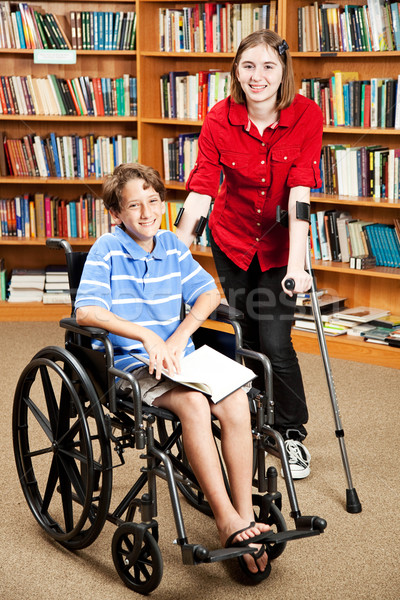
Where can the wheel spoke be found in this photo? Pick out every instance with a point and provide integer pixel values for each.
(40, 417)
(51, 401)
(74, 477)
(51, 485)
(66, 497)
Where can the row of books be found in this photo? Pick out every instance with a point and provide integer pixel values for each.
(370, 324)
(42, 215)
(361, 171)
(345, 100)
(65, 156)
(212, 26)
(103, 30)
(185, 96)
(335, 236)
(329, 27)
(21, 26)
(179, 156)
(52, 95)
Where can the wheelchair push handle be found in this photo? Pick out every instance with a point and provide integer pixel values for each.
(59, 244)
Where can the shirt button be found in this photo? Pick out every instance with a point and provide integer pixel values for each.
(263, 162)
(315, 162)
(285, 158)
(258, 210)
(258, 224)
(257, 239)
(263, 180)
(233, 164)
(263, 144)
(262, 193)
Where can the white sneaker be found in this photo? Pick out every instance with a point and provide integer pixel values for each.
(299, 459)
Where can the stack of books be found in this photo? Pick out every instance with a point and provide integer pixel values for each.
(27, 285)
(328, 305)
(56, 285)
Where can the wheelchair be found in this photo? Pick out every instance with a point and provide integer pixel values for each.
(68, 415)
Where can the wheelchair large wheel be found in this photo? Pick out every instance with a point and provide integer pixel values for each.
(170, 435)
(137, 558)
(268, 512)
(61, 448)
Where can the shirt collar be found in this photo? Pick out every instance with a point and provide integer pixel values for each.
(137, 251)
(238, 115)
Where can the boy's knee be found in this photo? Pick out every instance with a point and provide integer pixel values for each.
(195, 406)
(235, 409)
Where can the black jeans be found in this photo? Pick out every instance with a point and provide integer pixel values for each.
(267, 328)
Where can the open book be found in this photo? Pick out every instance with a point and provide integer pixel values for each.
(210, 372)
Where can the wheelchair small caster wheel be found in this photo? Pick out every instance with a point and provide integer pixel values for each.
(137, 558)
(269, 513)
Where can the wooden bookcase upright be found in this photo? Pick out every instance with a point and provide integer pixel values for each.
(375, 287)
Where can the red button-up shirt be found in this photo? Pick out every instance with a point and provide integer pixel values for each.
(259, 171)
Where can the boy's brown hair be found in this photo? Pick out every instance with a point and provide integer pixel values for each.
(267, 38)
(114, 184)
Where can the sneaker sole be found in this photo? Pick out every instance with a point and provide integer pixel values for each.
(298, 475)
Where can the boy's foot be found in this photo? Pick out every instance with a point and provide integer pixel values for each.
(253, 564)
(299, 459)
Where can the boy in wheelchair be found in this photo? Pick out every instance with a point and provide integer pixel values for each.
(133, 285)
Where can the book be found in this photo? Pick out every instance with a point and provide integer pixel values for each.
(361, 314)
(329, 328)
(327, 303)
(210, 372)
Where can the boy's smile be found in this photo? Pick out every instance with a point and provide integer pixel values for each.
(141, 213)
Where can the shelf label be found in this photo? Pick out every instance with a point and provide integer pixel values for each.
(54, 57)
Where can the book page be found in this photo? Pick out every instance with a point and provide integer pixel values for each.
(209, 371)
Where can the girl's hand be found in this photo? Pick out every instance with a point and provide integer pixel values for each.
(302, 280)
(159, 355)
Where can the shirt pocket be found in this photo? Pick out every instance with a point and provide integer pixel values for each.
(238, 163)
(284, 156)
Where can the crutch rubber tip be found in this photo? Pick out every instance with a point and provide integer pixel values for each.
(353, 505)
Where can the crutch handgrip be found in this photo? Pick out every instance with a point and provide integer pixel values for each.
(290, 284)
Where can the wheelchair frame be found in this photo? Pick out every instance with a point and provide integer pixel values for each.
(71, 400)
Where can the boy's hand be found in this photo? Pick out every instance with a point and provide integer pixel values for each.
(159, 355)
(176, 344)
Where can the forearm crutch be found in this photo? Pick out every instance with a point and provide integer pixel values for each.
(353, 504)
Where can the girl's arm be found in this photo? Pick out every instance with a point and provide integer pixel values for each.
(196, 206)
(298, 240)
(159, 354)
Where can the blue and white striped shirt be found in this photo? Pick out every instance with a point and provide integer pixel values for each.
(145, 288)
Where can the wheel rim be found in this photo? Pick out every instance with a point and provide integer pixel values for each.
(138, 561)
(55, 449)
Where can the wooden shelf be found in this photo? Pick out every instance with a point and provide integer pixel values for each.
(33, 311)
(348, 348)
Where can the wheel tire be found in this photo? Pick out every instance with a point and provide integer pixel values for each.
(139, 567)
(61, 448)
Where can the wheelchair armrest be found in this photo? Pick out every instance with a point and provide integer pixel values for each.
(71, 324)
(224, 312)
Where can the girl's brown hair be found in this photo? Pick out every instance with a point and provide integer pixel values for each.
(267, 38)
(114, 184)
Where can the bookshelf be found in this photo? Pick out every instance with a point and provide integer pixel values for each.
(374, 287)
(379, 286)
